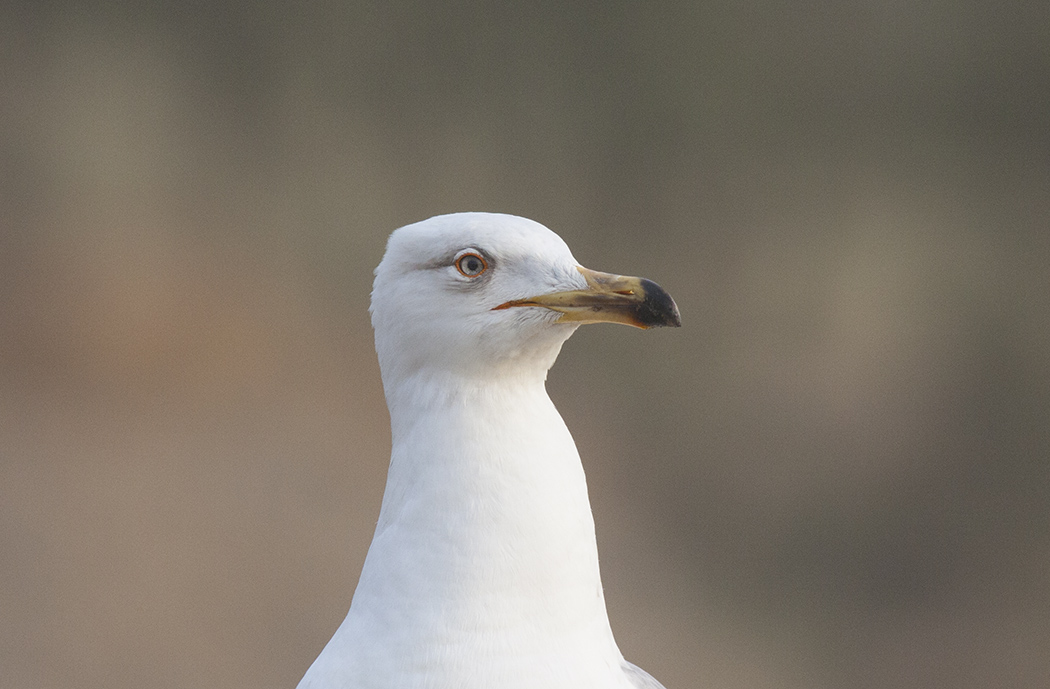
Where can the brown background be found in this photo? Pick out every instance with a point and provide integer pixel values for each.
(834, 475)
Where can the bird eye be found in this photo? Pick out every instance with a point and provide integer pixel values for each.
(471, 265)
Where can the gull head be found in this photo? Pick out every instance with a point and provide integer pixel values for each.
(474, 294)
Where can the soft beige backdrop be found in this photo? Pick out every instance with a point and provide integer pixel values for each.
(835, 474)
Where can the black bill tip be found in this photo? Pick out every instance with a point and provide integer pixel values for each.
(658, 308)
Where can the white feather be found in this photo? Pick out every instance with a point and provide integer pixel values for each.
(483, 571)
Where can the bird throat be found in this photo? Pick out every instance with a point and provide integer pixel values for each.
(485, 522)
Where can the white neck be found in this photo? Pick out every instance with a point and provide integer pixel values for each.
(485, 540)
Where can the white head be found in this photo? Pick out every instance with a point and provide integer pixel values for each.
(474, 293)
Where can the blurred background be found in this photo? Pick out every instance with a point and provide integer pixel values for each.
(835, 474)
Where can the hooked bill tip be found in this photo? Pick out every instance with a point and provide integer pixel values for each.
(658, 309)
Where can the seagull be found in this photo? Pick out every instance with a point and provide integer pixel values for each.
(483, 570)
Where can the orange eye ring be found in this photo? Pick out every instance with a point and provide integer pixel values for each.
(471, 264)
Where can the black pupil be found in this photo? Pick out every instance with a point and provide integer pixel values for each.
(471, 265)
